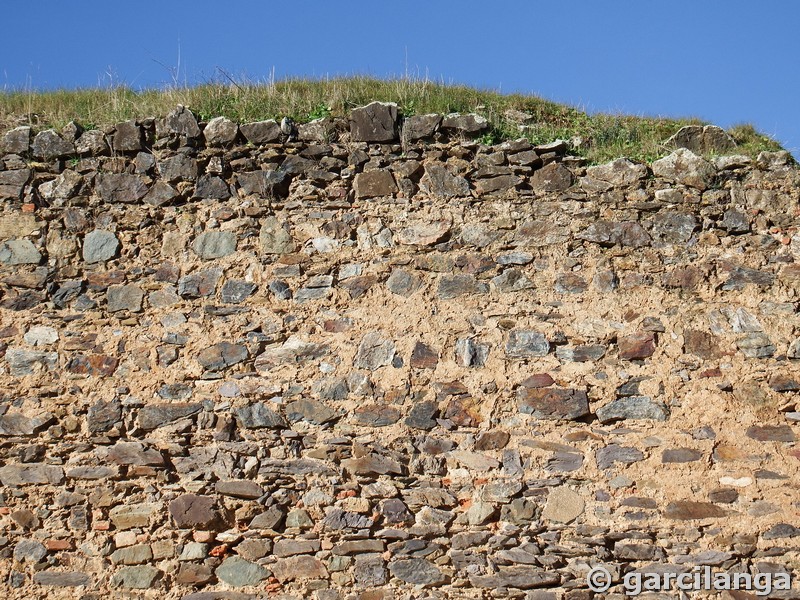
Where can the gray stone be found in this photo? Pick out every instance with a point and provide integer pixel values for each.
(135, 578)
(92, 142)
(222, 356)
(127, 137)
(239, 488)
(439, 182)
(99, 246)
(299, 568)
(132, 555)
(376, 122)
(419, 127)
(781, 530)
(160, 194)
(29, 551)
(12, 184)
(120, 187)
(235, 291)
(374, 352)
(134, 453)
(181, 122)
(177, 168)
(586, 353)
(13, 424)
(702, 139)
(619, 172)
(524, 343)
(128, 516)
(633, 407)
(372, 184)
(199, 284)
(734, 221)
(31, 473)
(220, 131)
(274, 237)
(48, 145)
(19, 251)
(756, 345)
(468, 124)
(553, 177)
(680, 455)
(403, 283)
(27, 362)
(258, 416)
(214, 244)
(124, 297)
(264, 184)
(614, 453)
(673, 227)
(417, 571)
(210, 187)
(62, 579)
(454, 286)
(684, 510)
(684, 166)
(512, 280)
(609, 233)
(16, 141)
(154, 416)
(523, 577)
(310, 410)
(261, 132)
(469, 353)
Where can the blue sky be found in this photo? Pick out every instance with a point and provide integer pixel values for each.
(725, 62)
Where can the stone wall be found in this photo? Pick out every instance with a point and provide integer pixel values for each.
(377, 359)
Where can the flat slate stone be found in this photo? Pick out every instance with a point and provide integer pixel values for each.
(19, 251)
(258, 416)
(771, 433)
(680, 455)
(524, 343)
(375, 122)
(222, 355)
(140, 577)
(614, 453)
(685, 510)
(417, 571)
(299, 568)
(153, 416)
(62, 579)
(553, 403)
(374, 351)
(563, 505)
(31, 473)
(214, 244)
(239, 488)
(192, 510)
(310, 410)
(633, 407)
(523, 577)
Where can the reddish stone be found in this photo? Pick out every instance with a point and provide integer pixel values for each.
(639, 345)
(771, 433)
(553, 403)
(685, 278)
(701, 343)
(424, 357)
(463, 412)
(684, 510)
(101, 280)
(358, 286)
(100, 365)
(540, 380)
(191, 510)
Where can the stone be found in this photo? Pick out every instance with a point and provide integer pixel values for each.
(199, 284)
(13, 424)
(12, 184)
(610, 233)
(124, 297)
(523, 577)
(403, 283)
(301, 567)
(524, 343)
(702, 139)
(19, 251)
(62, 579)
(376, 122)
(497, 185)
(177, 168)
(685, 510)
(371, 465)
(734, 221)
(418, 127)
(637, 346)
(193, 511)
(208, 187)
(239, 488)
(236, 291)
(258, 416)
(454, 286)
(619, 172)
(376, 415)
(220, 131)
(553, 403)
(372, 184)
(274, 238)
(417, 571)
(471, 354)
(92, 142)
(680, 455)
(781, 530)
(261, 132)
(467, 124)
(136, 578)
(132, 555)
(16, 141)
(756, 345)
(134, 453)
(214, 244)
(492, 440)
(672, 227)
(374, 352)
(127, 137)
(123, 188)
(702, 344)
(222, 355)
(685, 167)
(439, 182)
(289, 547)
(153, 416)
(160, 194)
(264, 184)
(614, 453)
(27, 550)
(181, 122)
(563, 505)
(554, 177)
(48, 145)
(128, 516)
(771, 433)
(633, 407)
(99, 246)
(424, 233)
(587, 353)
(311, 411)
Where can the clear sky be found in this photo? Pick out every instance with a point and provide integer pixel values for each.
(726, 62)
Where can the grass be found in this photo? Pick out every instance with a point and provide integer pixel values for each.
(598, 138)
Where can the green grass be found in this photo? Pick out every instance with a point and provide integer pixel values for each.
(602, 137)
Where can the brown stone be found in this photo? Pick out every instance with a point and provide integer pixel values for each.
(424, 357)
(685, 510)
(191, 510)
(771, 433)
(701, 343)
(553, 403)
(639, 345)
(372, 184)
(299, 568)
(100, 365)
(539, 380)
(554, 177)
